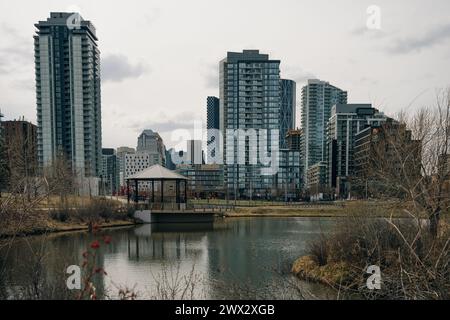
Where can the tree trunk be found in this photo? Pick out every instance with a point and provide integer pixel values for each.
(434, 223)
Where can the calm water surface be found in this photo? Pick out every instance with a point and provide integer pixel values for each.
(232, 258)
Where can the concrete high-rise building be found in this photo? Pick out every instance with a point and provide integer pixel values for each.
(67, 63)
(150, 151)
(212, 124)
(250, 99)
(287, 111)
(346, 121)
(151, 142)
(317, 99)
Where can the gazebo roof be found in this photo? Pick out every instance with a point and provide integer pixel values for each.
(157, 172)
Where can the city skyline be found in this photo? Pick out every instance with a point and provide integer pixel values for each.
(137, 78)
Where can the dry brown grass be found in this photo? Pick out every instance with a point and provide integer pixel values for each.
(413, 263)
(376, 209)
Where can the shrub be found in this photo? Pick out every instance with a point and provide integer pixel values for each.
(61, 215)
(413, 263)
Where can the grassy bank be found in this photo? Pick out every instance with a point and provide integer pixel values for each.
(282, 211)
(332, 274)
(338, 209)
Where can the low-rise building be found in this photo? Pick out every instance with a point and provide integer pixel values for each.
(205, 180)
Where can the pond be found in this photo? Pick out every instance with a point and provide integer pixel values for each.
(233, 258)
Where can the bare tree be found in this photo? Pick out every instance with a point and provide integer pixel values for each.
(409, 159)
(61, 180)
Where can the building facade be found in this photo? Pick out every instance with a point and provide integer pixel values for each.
(385, 154)
(150, 151)
(317, 99)
(205, 181)
(212, 125)
(287, 111)
(67, 65)
(289, 176)
(250, 102)
(317, 182)
(136, 162)
(345, 122)
(20, 143)
(293, 139)
(120, 154)
(150, 142)
(194, 152)
(110, 178)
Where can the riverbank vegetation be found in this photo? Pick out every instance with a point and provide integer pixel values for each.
(412, 254)
(52, 203)
(413, 263)
(21, 217)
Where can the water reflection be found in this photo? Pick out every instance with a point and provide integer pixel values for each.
(228, 254)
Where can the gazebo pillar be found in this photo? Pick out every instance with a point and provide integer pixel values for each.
(136, 192)
(185, 191)
(162, 194)
(177, 194)
(128, 191)
(153, 191)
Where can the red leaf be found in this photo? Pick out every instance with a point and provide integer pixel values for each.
(95, 244)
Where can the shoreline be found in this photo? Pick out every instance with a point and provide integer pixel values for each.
(52, 226)
(60, 228)
(304, 215)
(331, 275)
(281, 215)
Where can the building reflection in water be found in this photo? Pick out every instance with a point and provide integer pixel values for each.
(230, 251)
(166, 241)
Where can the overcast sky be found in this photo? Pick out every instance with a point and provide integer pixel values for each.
(160, 58)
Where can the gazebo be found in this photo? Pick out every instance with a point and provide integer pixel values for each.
(165, 180)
